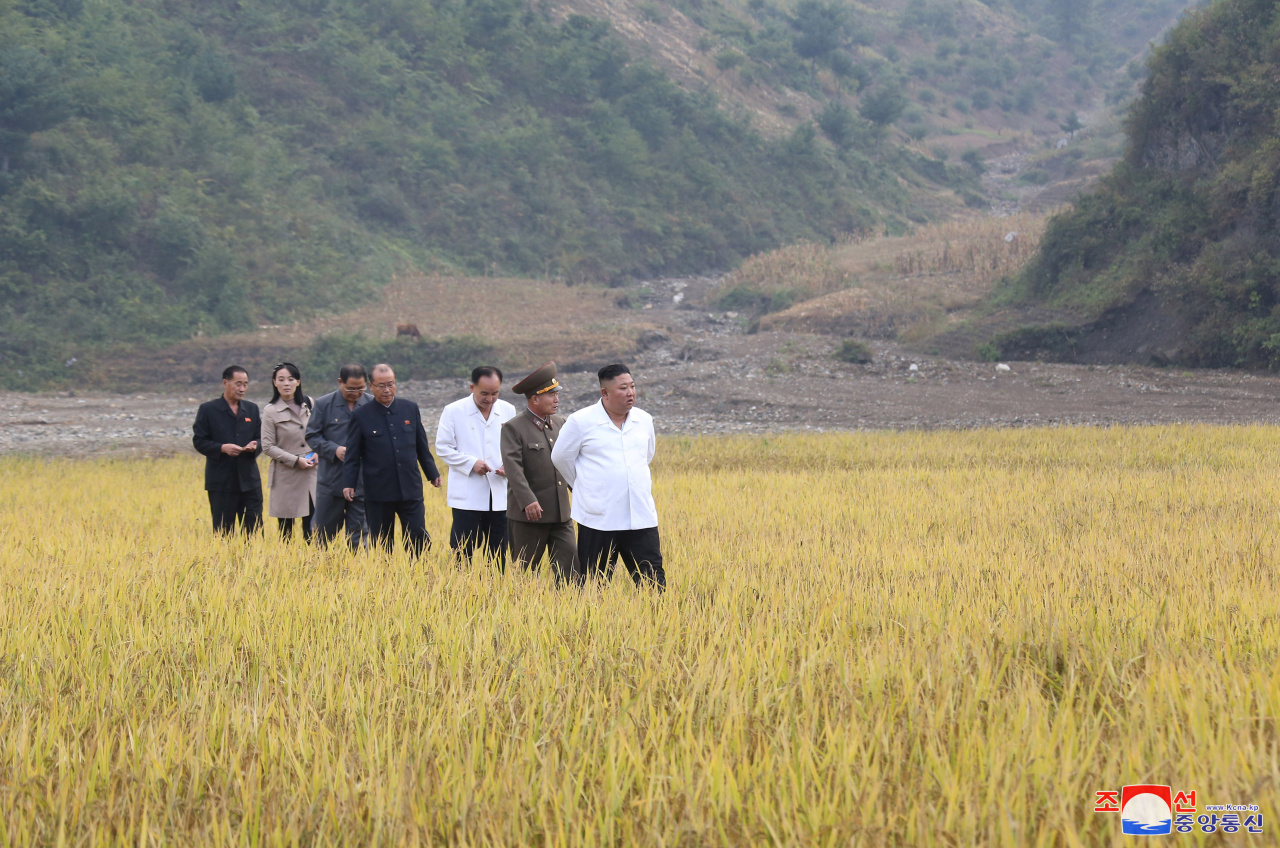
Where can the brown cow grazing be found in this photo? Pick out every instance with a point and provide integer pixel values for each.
(410, 330)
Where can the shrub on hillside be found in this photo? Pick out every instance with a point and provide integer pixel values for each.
(838, 124)
(854, 351)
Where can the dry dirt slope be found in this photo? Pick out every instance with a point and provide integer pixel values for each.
(527, 321)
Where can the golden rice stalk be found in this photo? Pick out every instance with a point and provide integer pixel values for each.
(910, 639)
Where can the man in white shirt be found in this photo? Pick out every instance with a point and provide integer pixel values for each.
(469, 442)
(603, 453)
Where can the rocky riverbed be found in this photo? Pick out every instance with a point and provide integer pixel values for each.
(703, 375)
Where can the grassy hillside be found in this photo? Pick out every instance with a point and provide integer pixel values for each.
(965, 75)
(176, 168)
(1176, 257)
(171, 169)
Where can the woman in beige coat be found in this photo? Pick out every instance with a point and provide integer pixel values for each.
(292, 475)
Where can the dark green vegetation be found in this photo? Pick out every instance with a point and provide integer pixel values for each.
(752, 301)
(936, 67)
(853, 350)
(1180, 246)
(173, 168)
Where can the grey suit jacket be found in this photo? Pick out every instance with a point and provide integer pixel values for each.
(326, 432)
(526, 457)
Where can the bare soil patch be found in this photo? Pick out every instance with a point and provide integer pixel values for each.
(699, 371)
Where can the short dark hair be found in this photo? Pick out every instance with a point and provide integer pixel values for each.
(612, 372)
(230, 372)
(485, 371)
(351, 372)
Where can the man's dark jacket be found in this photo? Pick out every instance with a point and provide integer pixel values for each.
(217, 425)
(326, 432)
(388, 444)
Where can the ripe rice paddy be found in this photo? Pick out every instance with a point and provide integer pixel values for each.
(950, 638)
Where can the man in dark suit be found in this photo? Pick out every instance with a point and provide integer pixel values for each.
(327, 435)
(537, 496)
(227, 431)
(385, 439)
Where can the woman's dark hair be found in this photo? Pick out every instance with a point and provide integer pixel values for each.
(297, 375)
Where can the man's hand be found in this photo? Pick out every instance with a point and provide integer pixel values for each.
(349, 494)
(232, 450)
(436, 482)
(252, 446)
(342, 453)
(533, 511)
(501, 472)
(481, 467)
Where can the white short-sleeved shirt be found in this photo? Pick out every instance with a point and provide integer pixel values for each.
(608, 468)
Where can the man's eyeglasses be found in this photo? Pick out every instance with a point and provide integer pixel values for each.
(381, 386)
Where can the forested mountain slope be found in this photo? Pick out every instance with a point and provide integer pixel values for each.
(170, 168)
(969, 73)
(175, 167)
(1176, 256)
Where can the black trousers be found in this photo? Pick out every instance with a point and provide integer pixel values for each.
(286, 526)
(641, 552)
(480, 526)
(332, 512)
(229, 507)
(413, 523)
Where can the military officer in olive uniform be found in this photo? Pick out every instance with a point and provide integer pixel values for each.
(537, 496)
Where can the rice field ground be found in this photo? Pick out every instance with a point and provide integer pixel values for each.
(914, 639)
